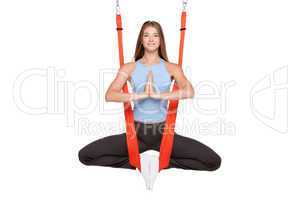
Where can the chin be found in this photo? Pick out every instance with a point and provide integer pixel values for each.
(151, 49)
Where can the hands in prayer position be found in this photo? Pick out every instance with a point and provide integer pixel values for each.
(149, 88)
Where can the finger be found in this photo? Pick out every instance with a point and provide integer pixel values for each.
(148, 77)
(151, 75)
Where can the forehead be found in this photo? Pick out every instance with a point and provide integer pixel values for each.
(150, 29)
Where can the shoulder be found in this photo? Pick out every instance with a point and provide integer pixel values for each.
(173, 68)
(128, 68)
(171, 65)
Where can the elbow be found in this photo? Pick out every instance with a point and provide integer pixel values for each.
(190, 92)
(107, 97)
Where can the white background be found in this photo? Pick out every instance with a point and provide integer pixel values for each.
(242, 42)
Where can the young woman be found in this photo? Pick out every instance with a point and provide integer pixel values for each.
(150, 76)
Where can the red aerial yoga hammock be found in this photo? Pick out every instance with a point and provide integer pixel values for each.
(168, 133)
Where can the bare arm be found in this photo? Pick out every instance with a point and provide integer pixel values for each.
(114, 92)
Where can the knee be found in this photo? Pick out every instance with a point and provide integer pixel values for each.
(83, 157)
(214, 163)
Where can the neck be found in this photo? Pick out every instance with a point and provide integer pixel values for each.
(151, 57)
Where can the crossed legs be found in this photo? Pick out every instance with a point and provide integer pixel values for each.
(187, 153)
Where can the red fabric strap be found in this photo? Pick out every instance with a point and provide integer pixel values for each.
(132, 143)
(166, 145)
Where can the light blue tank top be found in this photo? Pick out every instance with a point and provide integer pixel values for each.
(150, 110)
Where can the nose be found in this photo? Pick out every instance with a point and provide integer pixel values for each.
(151, 38)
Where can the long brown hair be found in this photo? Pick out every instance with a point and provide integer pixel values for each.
(139, 50)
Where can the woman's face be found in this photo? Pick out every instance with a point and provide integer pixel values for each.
(151, 40)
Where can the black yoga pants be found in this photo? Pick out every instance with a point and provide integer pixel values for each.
(111, 151)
